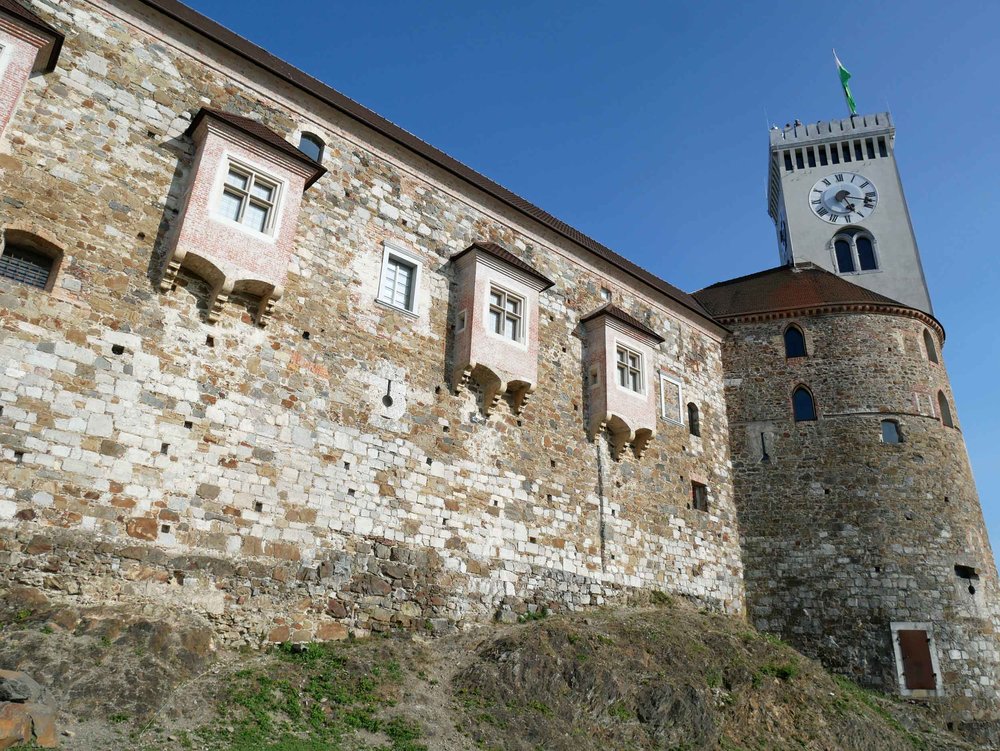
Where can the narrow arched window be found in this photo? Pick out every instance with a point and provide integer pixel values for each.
(795, 342)
(312, 146)
(29, 260)
(929, 346)
(694, 422)
(891, 432)
(803, 405)
(944, 410)
(845, 257)
(866, 253)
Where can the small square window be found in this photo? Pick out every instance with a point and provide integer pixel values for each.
(605, 294)
(399, 281)
(506, 314)
(248, 198)
(699, 496)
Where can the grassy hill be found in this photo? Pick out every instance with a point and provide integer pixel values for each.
(670, 677)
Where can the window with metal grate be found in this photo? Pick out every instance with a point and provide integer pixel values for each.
(26, 266)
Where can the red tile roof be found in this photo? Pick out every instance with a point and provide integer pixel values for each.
(504, 255)
(261, 133)
(23, 14)
(786, 288)
(260, 57)
(615, 312)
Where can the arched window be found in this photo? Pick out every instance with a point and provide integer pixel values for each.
(944, 410)
(854, 251)
(845, 256)
(866, 253)
(312, 146)
(929, 346)
(29, 259)
(803, 406)
(891, 432)
(694, 423)
(795, 342)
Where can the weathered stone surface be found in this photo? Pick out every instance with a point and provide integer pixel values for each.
(19, 687)
(15, 725)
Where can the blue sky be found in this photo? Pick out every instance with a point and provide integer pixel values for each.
(645, 126)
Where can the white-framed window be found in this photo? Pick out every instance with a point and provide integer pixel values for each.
(506, 314)
(605, 294)
(671, 402)
(854, 252)
(629, 365)
(248, 198)
(400, 278)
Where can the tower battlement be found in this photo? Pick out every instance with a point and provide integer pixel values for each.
(879, 123)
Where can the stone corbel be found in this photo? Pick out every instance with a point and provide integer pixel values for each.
(621, 437)
(266, 308)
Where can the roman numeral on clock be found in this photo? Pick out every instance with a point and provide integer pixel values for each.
(822, 211)
(839, 177)
(827, 182)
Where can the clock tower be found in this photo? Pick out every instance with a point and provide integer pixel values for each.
(836, 199)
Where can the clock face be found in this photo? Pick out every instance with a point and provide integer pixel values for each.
(843, 197)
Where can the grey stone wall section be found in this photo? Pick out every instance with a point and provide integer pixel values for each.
(844, 534)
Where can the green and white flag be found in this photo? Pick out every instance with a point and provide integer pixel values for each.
(844, 78)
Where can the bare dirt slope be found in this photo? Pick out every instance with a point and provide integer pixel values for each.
(670, 677)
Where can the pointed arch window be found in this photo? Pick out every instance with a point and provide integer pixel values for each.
(312, 146)
(795, 342)
(944, 410)
(694, 419)
(929, 346)
(803, 405)
(854, 251)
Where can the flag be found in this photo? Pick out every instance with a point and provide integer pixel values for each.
(844, 78)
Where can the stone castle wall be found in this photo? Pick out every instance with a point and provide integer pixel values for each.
(845, 534)
(258, 475)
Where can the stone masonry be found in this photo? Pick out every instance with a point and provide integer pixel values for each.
(256, 475)
(241, 426)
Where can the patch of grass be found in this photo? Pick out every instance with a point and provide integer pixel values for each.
(620, 711)
(311, 698)
(22, 615)
(660, 599)
(783, 670)
(538, 615)
(118, 718)
(713, 678)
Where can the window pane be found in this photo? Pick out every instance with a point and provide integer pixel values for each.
(890, 432)
(496, 321)
(845, 259)
(513, 305)
(311, 146)
(255, 217)
(262, 190)
(866, 254)
(622, 356)
(236, 179)
(795, 343)
(510, 330)
(230, 205)
(803, 406)
(496, 298)
(635, 385)
(623, 376)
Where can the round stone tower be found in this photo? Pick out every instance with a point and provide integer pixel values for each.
(864, 540)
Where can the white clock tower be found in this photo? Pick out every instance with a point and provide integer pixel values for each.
(836, 200)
